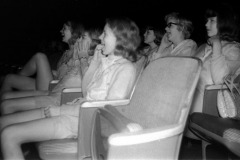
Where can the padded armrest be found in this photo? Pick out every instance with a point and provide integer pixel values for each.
(52, 84)
(54, 81)
(120, 122)
(218, 86)
(145, 136)
(90, 104)
(69, 94)
(149, 135)
(72, 90)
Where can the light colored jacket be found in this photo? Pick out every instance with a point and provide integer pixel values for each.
(215, 69)
(187, 47)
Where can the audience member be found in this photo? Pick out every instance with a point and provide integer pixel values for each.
(37, 73)
(152, 37)
(113, 78)
(84, 47)
(175, 41)
(220, 54)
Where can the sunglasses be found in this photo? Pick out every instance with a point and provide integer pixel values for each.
(171, 23)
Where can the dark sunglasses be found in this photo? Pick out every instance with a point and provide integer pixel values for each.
(171, 23)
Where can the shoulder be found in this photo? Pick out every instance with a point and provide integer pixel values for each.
(190, 43)
(231, 50)
(126, 66)
(201, 49)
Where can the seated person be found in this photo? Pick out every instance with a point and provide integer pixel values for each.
(72, 78)
(113, 79)
(37, 73)
(220, 55)
(176, 40)
(152, 37)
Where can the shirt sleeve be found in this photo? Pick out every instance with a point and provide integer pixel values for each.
(225, 63)
(123, 82)
(188, 51)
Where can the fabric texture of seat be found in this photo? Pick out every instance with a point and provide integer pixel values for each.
(212, 128)
(160, 106)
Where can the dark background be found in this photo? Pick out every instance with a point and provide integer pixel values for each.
(27, 26)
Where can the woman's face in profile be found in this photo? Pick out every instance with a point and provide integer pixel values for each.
(172, 31)
(108, 40)
(66, 33)
(211, 26)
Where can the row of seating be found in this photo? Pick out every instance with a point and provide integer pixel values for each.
(148, 125)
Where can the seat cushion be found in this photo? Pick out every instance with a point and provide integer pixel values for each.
(65, 149)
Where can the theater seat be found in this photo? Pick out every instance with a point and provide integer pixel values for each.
(67, 149)
(151, 126)
(211, 128)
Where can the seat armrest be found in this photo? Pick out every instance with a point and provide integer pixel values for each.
(210, 99)
(67, 90)
(148, 135)
(119, 122)
(69, 94)
(54, 81)
(89, 104)
(218, 87)
(52, 84)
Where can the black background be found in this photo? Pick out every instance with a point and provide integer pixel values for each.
(28, 24)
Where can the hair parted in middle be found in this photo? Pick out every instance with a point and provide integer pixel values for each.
(127, 37)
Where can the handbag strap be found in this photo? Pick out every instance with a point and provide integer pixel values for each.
(229, 81)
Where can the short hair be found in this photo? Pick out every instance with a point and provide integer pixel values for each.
(227, 21)
(76, 30)
(185, 24)
(127, 37)
(158, 33)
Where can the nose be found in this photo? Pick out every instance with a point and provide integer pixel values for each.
(207, 24)
(101, 37)
(166, 28)
(61, 31)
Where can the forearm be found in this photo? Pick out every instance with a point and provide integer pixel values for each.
(219, 69)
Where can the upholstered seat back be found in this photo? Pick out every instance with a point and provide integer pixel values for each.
(169, 81)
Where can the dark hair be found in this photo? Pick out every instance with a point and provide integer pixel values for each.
(227, 21)
(185, 25)
(76, 30)
(127, 35)
(158, 33)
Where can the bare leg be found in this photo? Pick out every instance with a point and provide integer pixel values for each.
(39, 64)
(27, 103)
(32, 131)
(21, 94)
(14, 81)
(19, 117)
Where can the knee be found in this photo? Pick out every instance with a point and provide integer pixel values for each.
(40, 56)
(5, 107)
(8, 79)
(5, 95)
(9, 135)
